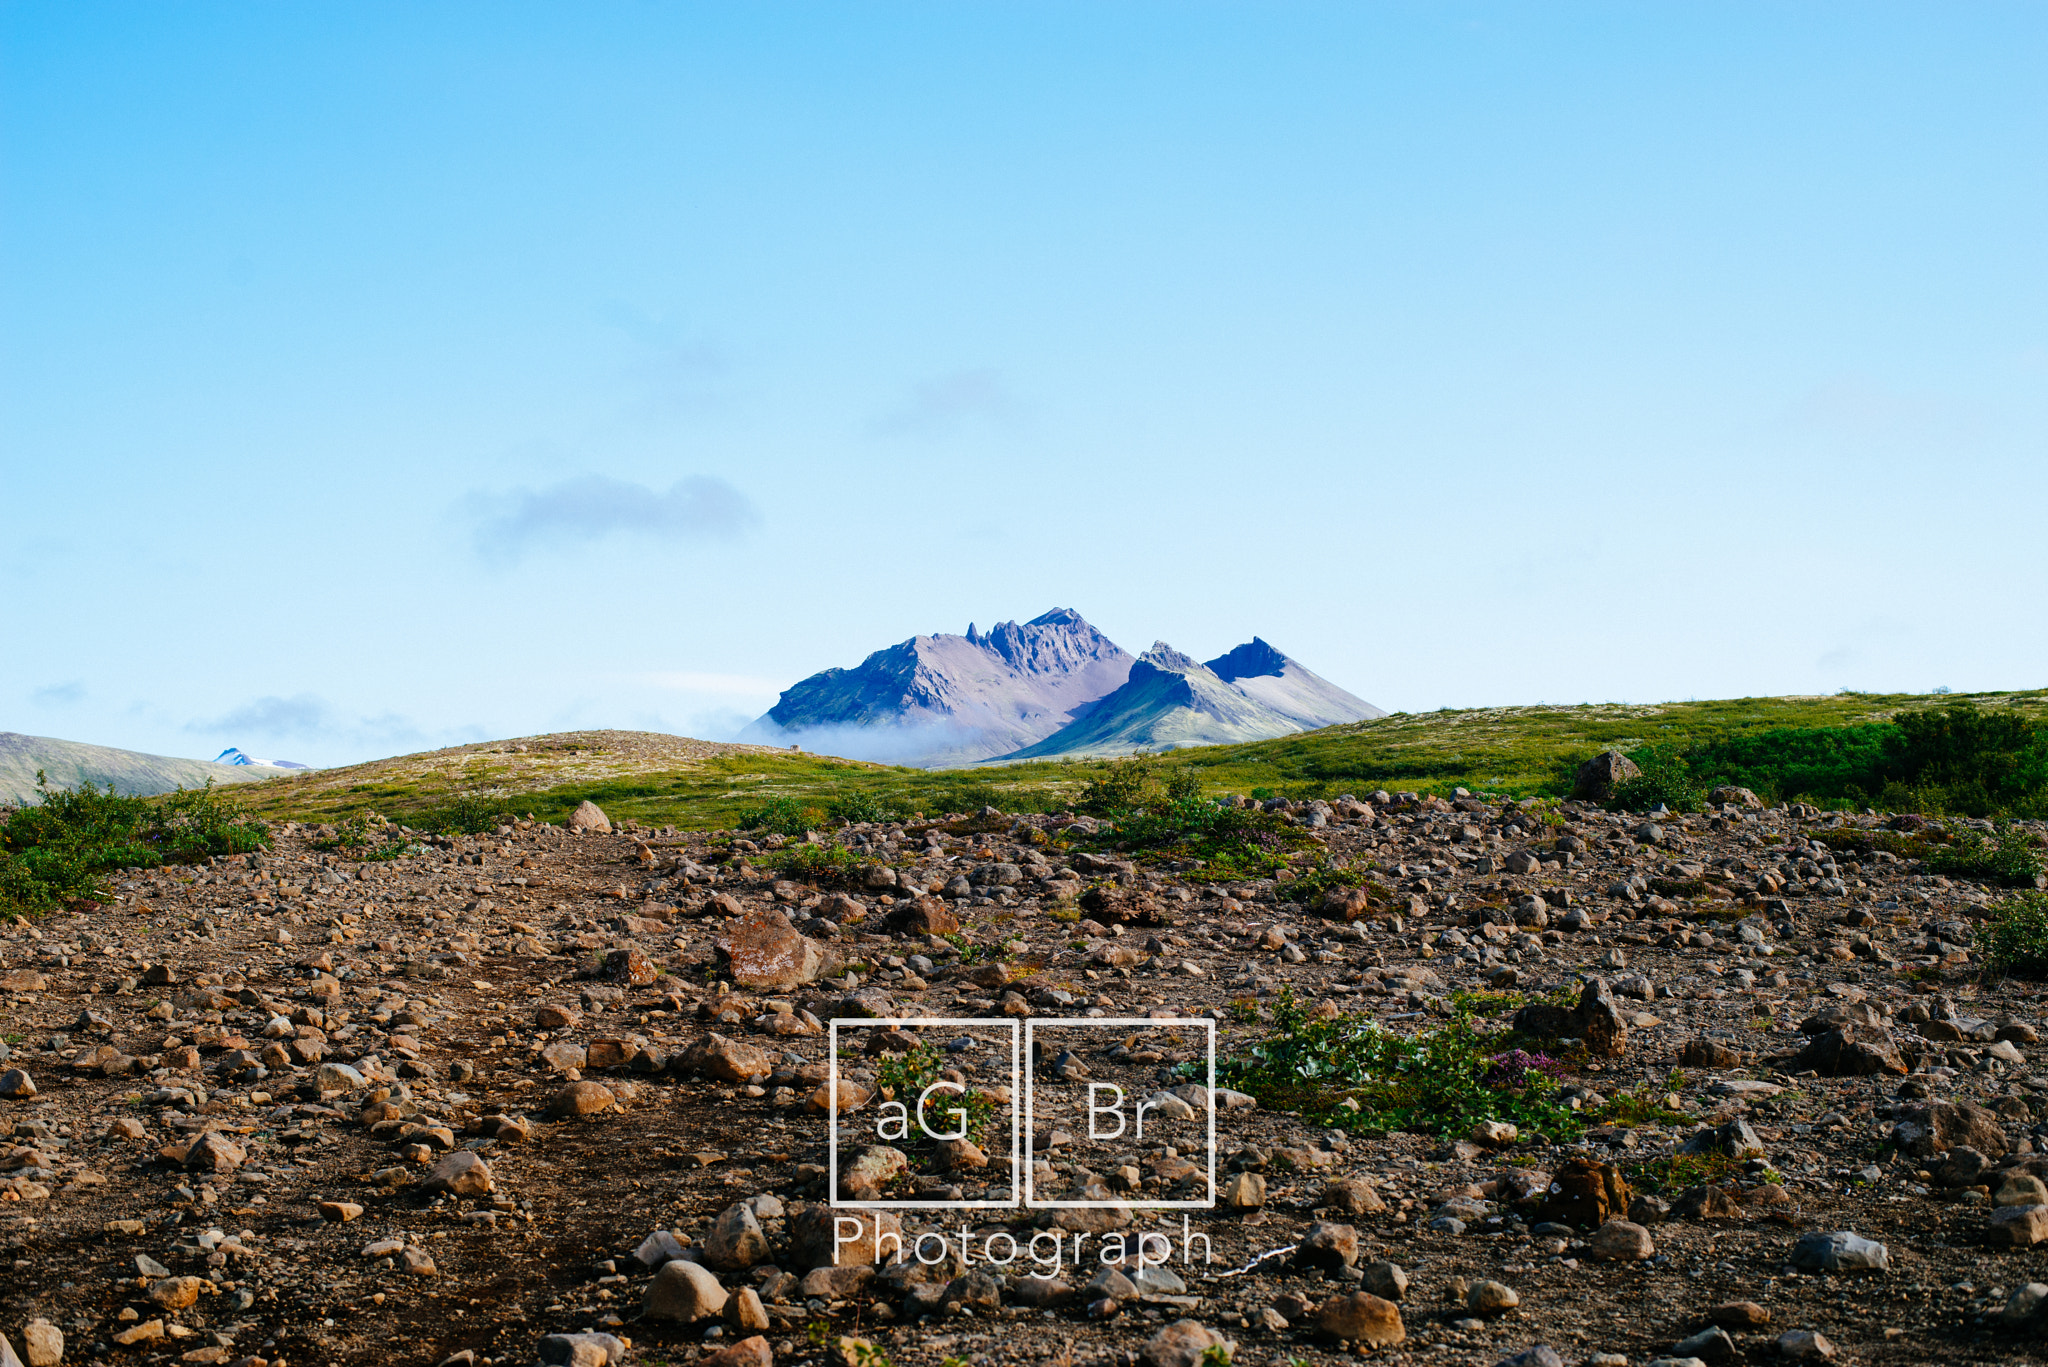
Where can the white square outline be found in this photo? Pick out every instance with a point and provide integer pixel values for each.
(832, 1111)
(1031, 1095)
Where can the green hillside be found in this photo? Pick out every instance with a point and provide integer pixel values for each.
(1514, 751)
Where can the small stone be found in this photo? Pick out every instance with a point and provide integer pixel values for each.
(683, 1291)
(149, 1331)
(1181, 1344)
(214, 1152)
(1328, 1246)
(17, 1085)
(581, 1099)
(581, 1350)
(2018, 1226)
(736, 1241)
(1622, 1241)
(2024, 1303)
(745, 1311)
(2021, 1189)
(1487, 1299)
(1804, 1345)
(752, 1351)
(339, 1077)
(1386, 1280)
(339, 1212)
(146, 1266)
(43, 1342)
(726, 1060)
(1739, 1315)
(1494, 1134)
(1246, 1191)
(553, 1017)
(461, 1173)
(1353, 1196)
(418, 1262)
(1362, 1318)
(176, 1293)
(1538, 1355)
(1840, 1251)
(1710, 1344)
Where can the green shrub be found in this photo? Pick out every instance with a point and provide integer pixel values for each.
(54, 850)
(469, 814)
(1351, 1072)
(782, 816)
(905, 1077)
(2016, 940)
(1667, 778)
(2009, 857)
(861, 805)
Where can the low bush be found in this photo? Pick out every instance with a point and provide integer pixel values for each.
(1350, 1072)
(54, 850)
(2016, 940)
(780, 816)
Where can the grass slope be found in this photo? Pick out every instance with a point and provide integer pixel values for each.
(667, 780)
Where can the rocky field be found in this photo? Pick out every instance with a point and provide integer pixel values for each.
(558, 1094)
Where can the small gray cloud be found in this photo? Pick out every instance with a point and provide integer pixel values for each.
(304, 715)
(59, 694)
(593, 507)
(946, 402)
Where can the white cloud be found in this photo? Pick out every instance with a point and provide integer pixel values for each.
(591, 508)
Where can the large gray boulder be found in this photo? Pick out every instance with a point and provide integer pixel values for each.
(1597, 778)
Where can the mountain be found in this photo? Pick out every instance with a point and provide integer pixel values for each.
(1289, 687)
(242, 758)
(939, 700)
(70, 764)
(1169, 702)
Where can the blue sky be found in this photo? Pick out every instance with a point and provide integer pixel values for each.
(374, 377)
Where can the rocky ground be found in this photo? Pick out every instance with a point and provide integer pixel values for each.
(502, 1091)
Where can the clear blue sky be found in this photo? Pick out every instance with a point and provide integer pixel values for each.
(379, 376)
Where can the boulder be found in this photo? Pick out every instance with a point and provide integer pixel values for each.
(1182, 1343)
(1925, 1131)
(727, 1060)
(1596, 1020)
(736, 1241)
(461, 1173)
(818, 1239)
(1620, 1241)
(683, 1291)
(1840, 1251)
(1363, 1318)
(1849, 1051)
(2018, 1226)
(1598, 777)
(1585, 1194)
(590, 817)
(579, 1099)
(763, 950)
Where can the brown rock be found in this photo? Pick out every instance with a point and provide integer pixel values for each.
(1619, 1241)
(2018, 1226)
(339, 1212)
(727, 1060)
(581, 1098)
(821, 1236)
(752, 1351)
(588, 816)
(1362, 1318)
(17, 1085)
(1707, 1053)
(764, 951)
(683, 1291)
(214, 1152)
(1353, 1196)
(925, 916)
(1181, 1344)
(461, 1173)
(745, 1311)
(43, 1342)
(1596, 1020)
(553, 1017)
(736, 1241)
(628, 966)
(176, 1293)
(1328, 1246)
(1739, 1315)
(1585, 1194)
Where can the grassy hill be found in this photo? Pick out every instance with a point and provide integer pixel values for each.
(667, 780)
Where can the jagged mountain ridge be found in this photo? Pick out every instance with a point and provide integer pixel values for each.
(947, 699)
(1047, 687)
(1170, 701)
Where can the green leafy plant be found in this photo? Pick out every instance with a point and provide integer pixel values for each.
(55, 850)
(2016, 940)
(905, 1077)
(1667, 778)
(782, 816)
(1347, 1070)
